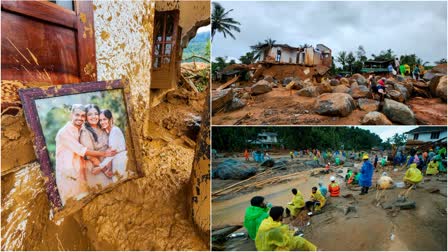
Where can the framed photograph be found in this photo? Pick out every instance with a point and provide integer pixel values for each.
(83, 139)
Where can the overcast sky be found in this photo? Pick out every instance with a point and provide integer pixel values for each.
(387, 131)
(405, 27)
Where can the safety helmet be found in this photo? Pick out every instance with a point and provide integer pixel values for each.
(365, 156)
(332, 178)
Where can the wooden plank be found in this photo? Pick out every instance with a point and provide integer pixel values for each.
(86, 41)
(43, 10)
(230, 82)
(189, 82)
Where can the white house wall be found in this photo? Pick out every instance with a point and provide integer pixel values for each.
(286, 54)
(426, 136)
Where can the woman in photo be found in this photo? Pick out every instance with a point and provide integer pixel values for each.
(94, 138)
(116, 142)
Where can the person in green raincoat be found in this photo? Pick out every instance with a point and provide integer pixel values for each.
(274, 235)
(255, 214)
(297, 203)
(337, 160)
(383, 161)
(433, 167)
(438, 158)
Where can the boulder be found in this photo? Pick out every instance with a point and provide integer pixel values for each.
(296, 85)
(441, 88)
(233, 169)
(375, 118)
(309, 92)
(268, 78)
(400, 78)
(268, 163)
(344, 81)
(408, 85)
(361, 80)
(421, 84)
(235, 104)
(334, 82)
(287, 80)
(404, 91)
(261, 87)
(395, 95)
(324, 87)
(368, 104)
(334, 104)
(420, 92)
(440, 68)
(434, 83)
(428, 76)
(359, 92)
(273, 85)
(221, 98)
(341, 89)
(312, 163)
(398, 112)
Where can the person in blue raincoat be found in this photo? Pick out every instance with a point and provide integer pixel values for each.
(365, 180)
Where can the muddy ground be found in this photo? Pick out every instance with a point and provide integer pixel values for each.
(369, 228)
(282, 107)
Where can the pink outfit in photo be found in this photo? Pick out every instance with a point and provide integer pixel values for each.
(69, 153)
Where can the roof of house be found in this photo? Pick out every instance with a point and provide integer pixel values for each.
(285, 46)
(426, 129)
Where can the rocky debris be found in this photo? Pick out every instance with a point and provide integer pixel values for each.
(406, 204)
(368, 104)
(334, 82)
(398, 112)
(288, 80)
(221, 98)
(324, 87)
(421, 84)
(348, 164)
(429, 111)
(268, 163)
(334, 104)
(233, 169)
(295, 85)
(395, 95)
(344, 81)
(404, 91)
(440, 68)
(261, 87)
(235, 104)
(360, 80)
(420, 92)
(268, 78)
(400, 78)
(312, 163)
(308, 92)
(428, 76)
(341, 89)
(273, 85)
(357, 91)
(441, 88)
(281, 162)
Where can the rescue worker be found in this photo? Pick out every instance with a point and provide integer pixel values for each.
(433, 167)
(291, 154)
(402, 70)
(416, 72)
(255, 214)
(317, 201)
(333, 187)
(383, 161)
(246, 154)
(274, 235)
(322, 189)
(296, 205)
(365, 179)
(337, 160)
(327, 168)
(375, 162)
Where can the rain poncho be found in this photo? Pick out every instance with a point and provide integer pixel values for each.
(383, 161)
(323, 190)
(296, 204)
(318, 196)
(413, 174)
(253, 218)
(433, 168)
(273, 235)
(385, 182)
(439, 161)
(337, 160)
(366, 174)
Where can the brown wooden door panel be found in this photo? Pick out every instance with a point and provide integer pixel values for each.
(41, 52)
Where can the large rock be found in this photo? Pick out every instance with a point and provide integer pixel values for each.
(368, 104)
(420, 92)
(312, 163)
(421, 84)
(309, 92)
(361, 80)
(286, 80)
(344, 81)
(324, 87)
(268, 78)
(220, 99)
(268, 163)
(296, 85)
(396, 96)
(428, 76)
(235, 104)
(408, 85)
(398, 112)
(441, 88)
(233, 169)
(400, 78)
(334, 82)
(403, 90)
(334, 104)
(341, 89)
(434, 83)
(359, 91)
(375, 118)
(261, 87)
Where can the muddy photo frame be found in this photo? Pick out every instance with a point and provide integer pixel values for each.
(30, 95)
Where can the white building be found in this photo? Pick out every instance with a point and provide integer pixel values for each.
(309, 56)
(427, 134)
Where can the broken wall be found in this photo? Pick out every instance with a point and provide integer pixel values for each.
(287, 56)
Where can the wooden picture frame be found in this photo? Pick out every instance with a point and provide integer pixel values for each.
(30, 97)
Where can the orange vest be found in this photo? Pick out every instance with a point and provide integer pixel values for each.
(334, 189)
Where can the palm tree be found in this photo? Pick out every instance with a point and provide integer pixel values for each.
(342, 58)
(222, 23)
(261, 47)
(269, 43)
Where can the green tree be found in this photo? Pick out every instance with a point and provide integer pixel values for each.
(222, 23)
(384, 55)
(410, 59)
(350, 61)
(441, 61)
(219, 64)
(342, 58)
(248, 58)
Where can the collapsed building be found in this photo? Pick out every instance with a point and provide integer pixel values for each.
(67, 42)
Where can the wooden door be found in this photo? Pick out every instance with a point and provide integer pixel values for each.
(44, 43)
(165, 49)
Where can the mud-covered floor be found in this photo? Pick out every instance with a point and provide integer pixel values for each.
(371, 228)
(282, 107)
(148, 213)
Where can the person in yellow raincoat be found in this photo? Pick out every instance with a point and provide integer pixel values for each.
(317, 201)
(433, 167)
(297, 203)
(274, 235)
(413, 175)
